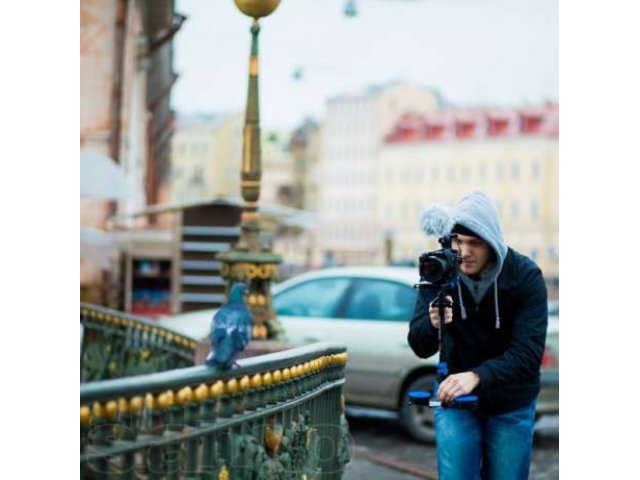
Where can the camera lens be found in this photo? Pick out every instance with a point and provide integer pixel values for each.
(432, 269)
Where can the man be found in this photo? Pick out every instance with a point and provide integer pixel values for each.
(494, 340)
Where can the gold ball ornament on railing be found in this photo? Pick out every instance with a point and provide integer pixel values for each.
(201, 393)
(286, 374)
(111, 409)
(97, 410)
(85, 415)
(123, 405)
(231, 386)
(184, 395)
(256, 381)
(245, 383)
(135, 405)
(257, 8)
(267, 379)
(216, 389)
(277, 376)
(149, 401)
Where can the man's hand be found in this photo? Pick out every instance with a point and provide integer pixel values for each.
(434, 316)
(456, 385)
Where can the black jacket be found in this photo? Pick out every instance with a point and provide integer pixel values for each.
(507, 359)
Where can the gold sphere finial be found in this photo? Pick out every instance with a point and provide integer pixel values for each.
(216, 389)
(185, 395)
(111, 408)
(123, 405)
(277, 376)
(97, 410)
(257, 8)
(136, 404)
(256, 381)
(201, 393)
(231, 386)
(267, 379)
(245, 383)
(149, 401)
(85, 414)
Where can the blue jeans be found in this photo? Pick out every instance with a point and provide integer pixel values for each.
(471, 445)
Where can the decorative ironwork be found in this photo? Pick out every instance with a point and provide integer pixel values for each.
(253, 422)
(115, 344)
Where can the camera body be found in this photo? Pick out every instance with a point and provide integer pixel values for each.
(440, 268)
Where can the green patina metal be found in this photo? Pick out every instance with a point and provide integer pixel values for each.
(287, 422)
(250, 261)
(115, 344)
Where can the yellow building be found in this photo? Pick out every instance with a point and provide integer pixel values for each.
(206, 154)
(511, 154)
(354, 130)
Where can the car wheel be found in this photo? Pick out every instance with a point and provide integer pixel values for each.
(418, 420)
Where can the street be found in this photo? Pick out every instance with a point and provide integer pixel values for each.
(381, 449)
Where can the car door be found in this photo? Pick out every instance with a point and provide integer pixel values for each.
(375, 320)
(307, 311)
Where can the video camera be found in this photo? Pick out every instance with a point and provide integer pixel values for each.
(440, 268)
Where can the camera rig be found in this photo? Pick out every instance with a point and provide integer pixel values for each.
(439, 270)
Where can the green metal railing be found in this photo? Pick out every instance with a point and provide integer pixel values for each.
(276, 416)
(115, 344)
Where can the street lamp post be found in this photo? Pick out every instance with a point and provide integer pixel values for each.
(250, 261)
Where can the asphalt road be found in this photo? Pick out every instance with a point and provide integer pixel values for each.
(381, 449)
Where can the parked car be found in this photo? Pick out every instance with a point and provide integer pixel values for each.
(368, 309)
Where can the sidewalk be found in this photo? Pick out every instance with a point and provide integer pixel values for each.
(362, 469)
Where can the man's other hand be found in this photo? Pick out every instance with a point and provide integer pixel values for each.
(457, 384)
(434, 316)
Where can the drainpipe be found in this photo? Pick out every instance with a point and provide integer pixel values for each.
(118, 73)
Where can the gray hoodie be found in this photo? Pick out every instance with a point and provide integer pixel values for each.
(478, 213)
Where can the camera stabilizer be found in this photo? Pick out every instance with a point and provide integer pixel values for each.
(439, 270)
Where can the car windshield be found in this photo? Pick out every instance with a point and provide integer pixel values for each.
(313, 298)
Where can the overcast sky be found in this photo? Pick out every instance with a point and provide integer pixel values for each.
(475, 52)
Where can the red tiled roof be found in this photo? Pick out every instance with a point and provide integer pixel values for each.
(466, 124)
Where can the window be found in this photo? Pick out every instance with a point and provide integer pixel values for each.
(435, 172)
(515, 170)
(380, 300)
(535, 170)
(482, 171)
(535, 209)
(514, 209)
(314, 298)
(499, 170)
(451, 173)
(466, 174)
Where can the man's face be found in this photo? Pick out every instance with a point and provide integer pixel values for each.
(476, 254)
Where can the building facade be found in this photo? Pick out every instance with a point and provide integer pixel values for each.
(354, 129)
(510, 153)
(126, 78)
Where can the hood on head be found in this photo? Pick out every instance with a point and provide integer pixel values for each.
(478, 213)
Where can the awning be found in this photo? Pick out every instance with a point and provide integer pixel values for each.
(97, 246)
(101, 177)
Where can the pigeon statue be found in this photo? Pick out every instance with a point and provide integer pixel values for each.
(230, 329)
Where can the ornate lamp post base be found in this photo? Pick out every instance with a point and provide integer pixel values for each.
(257, 271)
